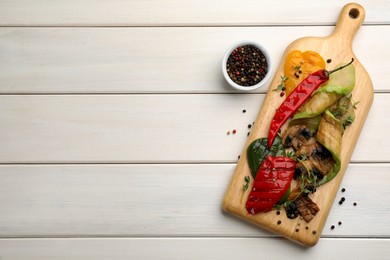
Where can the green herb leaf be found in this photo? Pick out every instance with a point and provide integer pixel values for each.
(282, 84)
(246, 185)
(291, 154)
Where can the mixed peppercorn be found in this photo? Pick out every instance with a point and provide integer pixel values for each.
(247, 65)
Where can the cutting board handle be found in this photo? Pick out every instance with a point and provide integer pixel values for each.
(351, 18)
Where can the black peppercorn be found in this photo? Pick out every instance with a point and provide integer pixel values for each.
(249, 63)
(292, 210)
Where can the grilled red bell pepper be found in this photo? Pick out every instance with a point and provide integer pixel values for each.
(272, 181)
(296, 99)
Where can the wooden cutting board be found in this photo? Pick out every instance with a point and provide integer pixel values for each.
(338, 48)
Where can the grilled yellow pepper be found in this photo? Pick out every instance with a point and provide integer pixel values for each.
(298, 65)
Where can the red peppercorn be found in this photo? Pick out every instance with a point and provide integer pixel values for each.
(234, 131)
(282, 93)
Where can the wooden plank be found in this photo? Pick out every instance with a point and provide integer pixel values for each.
(178, 12)
(152, 60)
(142, 128)
(190, 248)
(162, 200)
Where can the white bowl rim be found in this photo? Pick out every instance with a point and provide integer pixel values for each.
(230, 50)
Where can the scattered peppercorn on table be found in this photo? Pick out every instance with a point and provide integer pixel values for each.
(120, 136)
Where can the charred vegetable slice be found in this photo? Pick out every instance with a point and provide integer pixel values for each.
(310, 122)
(272, 182)
(329, 134)
(317, 105)
(344, 110)
(306, 208)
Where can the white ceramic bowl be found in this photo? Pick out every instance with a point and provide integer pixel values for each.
(226, 56)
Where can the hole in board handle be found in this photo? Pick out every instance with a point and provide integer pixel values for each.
(354, 13)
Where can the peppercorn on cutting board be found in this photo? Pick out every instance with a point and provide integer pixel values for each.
(338, 48)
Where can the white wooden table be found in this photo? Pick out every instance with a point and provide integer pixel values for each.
(113, 122)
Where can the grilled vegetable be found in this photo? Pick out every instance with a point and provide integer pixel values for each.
(297, 98)
(329, 134)
(310, 122)
(306, 208)
(298, 65)
(340, 83)
(344, 110)
(258, 150)
(272, 181)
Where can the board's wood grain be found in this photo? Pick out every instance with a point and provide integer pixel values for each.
(142, 128)
(188, 248)
(338, 48)
(152, 60)
(162, 200)
(179, 12)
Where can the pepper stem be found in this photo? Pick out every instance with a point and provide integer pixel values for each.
(340, 68)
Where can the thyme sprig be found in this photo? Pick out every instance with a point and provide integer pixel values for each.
(308, 180)
(245, 186)
(297, 68)
(282, 85)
